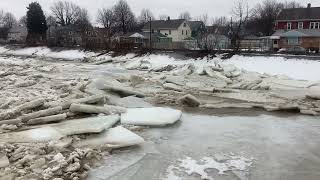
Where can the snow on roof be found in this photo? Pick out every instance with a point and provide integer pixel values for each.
(137, 35)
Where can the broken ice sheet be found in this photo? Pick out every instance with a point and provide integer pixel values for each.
(191, 166)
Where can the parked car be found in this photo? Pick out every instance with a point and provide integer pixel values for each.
(293, 50)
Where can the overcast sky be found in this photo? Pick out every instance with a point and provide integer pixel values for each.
(172, 8)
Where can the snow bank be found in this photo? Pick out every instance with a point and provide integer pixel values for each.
(301, 69)
(47, 52)
(151, 116)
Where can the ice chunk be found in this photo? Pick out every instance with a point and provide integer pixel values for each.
(117, 137)
(34, 135)
(86, 125)
(151, 116)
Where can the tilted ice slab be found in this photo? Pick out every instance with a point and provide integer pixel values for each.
(95, 124)
(43, 134)
(151, 116)
(117, 137)
(57, 131)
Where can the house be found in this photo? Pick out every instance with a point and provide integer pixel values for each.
(17, 34)
(176, 29)
(217, 38)
(97, 38)
(198, 29)
(64, 36)
(250, 42)
(299, 27)
(133, 40)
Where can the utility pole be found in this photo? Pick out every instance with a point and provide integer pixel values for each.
(150, 38)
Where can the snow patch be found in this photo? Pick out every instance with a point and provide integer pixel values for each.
(191, 166)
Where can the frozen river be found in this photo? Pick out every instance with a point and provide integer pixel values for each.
(284, 147)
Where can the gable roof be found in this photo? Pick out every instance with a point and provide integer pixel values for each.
(153, 35)
(299, 14)
(298, 33)
(164, 24)
(222, 30)
(194, 25)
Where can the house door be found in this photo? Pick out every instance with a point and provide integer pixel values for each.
(275, 44)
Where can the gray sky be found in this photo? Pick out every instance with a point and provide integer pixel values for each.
(170, 7)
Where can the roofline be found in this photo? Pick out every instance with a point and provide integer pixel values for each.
(163, 28)
(297, 20)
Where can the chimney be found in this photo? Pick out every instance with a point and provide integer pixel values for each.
(168, 18)
(309, 5)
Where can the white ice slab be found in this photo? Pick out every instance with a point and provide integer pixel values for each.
(43, 134)
(86, 125)
(151, 116)
(117, 137)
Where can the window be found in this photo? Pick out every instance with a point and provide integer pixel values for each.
(185, 25)
(300, 25)
(152, 30)
(182, 32)
(293, 41)
(275, 42)
(186, 32)
(170, 32)
(289, 25)
(158, 31)
(314, 25)
(70, 33)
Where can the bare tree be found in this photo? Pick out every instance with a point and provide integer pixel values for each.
(124, 17)
(145, 16)
(292, 4)
(9, 20)
(66, 13)
(264, 16)
(240, 18)
(83, 19)
(185, 15)
(23, 21)
(163, 17)
(105, 17)
(51, 21)
(204, 18)
(219, 21)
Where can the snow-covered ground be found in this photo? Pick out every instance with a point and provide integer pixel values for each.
(295, 68)
(47, 52)
(301, 69)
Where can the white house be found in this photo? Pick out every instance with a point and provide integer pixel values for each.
(18, 34)
(177, 29)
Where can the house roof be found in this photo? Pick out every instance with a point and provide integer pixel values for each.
(222, 30)
(164, 24)
(18, 29)
(298, 33)
(299, 14)
(153, 35)
(195, 24)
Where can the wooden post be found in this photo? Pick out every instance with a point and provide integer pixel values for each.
(150, 40)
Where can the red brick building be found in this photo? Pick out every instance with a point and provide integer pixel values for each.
(298, 27)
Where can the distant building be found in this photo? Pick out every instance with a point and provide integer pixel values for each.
(64, 36)
(176, 29)
(250, 42)
(17, 34)
(133, 40)
(298, 27)
(198, 28)
(217, 38)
